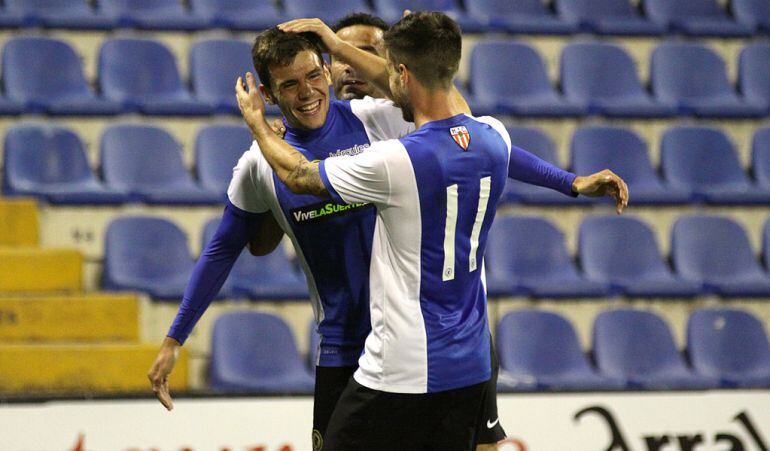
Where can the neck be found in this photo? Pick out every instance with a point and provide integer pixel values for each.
(433, 105)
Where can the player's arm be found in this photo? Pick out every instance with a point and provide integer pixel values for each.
(208, 276)
(265, 237)
(289, 165)
(371, 67)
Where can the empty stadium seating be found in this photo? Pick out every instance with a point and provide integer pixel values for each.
(539, 350)
(329, 12)
(715, 252)
(141, 75)
(45, 75)
(693, 78)
(638, 347)
(703, 161)
(57, 14)
(256, 352)
(623, 252)
(517, 16)
(391, 11)
(49, 162)
(217, 150)
(267, 277)
(729, 345)
(594, 148)
(603, 78)
(754, 60)
(617, 17)
(518, 86)
(146, 163)
(238, 14)
(754, 14)
(151, 14)
(694, 17)
(146, 254)
(528, 255)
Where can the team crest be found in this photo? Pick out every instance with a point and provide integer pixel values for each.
(461, 136)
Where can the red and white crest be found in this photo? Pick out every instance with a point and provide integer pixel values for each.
(461, 136)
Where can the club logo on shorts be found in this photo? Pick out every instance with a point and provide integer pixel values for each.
(461, 136)
(318, 440)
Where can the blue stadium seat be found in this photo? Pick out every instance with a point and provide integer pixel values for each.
(217, 150)
(254, 352)
(46, 76)
(694, 17)
(49, 162)
(595, 148)
(638, 347)
(715, 252)
(766, 245)
(146, 163)
(268, 277)
(214, 66)
(753, 66)
(603, 77)
(617, 17)
(238, 14)
(329, 12)
(391, 11)
(539, 350)
(693, 77)
(754, 14)
(537, 142)
(58, 14)
(151, 14)
(518, 16)
(11, 18)
(146, 254)
(623, 252)
(519, 84)
(760, 157)
(142, 75)
(527, 255)
(704, 161)
(730, 345)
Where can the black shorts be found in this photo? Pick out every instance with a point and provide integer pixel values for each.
(330, 382)
(373, 420)
(489, 429)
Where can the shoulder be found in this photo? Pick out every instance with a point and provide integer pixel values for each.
(495, 125)
(370, 104)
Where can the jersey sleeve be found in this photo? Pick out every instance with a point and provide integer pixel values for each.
(382, 119)
(247, 190)
(364, 177)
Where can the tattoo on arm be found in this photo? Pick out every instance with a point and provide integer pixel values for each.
(306, 177)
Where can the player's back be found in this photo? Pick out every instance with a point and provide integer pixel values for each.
(436, 192)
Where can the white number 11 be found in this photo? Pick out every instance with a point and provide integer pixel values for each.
(448, 273)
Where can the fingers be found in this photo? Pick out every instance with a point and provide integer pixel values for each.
(406, 13)
(160, 387)
(300, 25)
(251, 82)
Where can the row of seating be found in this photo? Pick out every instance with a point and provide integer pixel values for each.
(526, 256)
(709, 255)
(44, 75)
(142, 163)
(690, 17)
(538, 351)
(686, 79)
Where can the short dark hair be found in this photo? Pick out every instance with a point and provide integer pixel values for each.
(274, 47)
(360, 19)
(429, 44)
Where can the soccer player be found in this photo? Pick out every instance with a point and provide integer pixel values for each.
(423, 374)
(365, 32)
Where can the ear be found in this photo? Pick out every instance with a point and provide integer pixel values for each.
(327, 74)
(266, 94)
(404, 74)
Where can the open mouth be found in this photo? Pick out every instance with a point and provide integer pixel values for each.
(353, 82)
(311, 108)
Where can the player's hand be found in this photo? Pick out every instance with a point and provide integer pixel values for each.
(329, 39)
(250, 102)
(278, 128)
(603, 183)
(161, 369)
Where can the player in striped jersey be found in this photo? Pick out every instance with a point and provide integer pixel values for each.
(426, 362)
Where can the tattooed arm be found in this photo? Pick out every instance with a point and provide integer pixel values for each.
(291, 167)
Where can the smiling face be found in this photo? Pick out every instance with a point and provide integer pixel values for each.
(347, 84)
(301, 90)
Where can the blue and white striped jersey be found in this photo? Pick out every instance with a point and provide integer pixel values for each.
(436, 192)
(332, 239)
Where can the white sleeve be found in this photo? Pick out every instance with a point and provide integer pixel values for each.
(365, 177)
(382, 119)
(246, 190)
(499, 128)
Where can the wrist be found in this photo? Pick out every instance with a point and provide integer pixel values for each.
(171, 342)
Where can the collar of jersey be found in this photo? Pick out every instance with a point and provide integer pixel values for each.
(305, 134)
